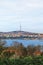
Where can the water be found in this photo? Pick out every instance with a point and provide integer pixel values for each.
(25, 42)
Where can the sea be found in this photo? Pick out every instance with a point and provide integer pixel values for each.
(24, 42)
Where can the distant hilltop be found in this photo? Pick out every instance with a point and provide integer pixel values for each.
(21, 34)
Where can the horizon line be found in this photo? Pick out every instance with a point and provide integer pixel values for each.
(20, 31)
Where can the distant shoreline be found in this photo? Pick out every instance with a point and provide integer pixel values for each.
(20, 35)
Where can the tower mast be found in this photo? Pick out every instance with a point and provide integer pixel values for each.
(20, 27)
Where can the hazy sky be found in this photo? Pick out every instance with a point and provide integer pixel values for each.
(28, 13)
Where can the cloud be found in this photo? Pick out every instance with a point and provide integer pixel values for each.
(19, 6)
(27, 12)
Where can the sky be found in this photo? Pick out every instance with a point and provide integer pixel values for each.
(27, 13)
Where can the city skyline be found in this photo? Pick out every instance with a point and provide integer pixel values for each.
(28, 13)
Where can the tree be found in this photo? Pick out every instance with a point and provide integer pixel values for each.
(2, 44)
(20, 50)
(30, 50)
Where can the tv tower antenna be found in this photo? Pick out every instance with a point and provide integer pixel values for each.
(20, 27)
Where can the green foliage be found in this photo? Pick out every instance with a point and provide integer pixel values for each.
(37, 60)
(21, 55)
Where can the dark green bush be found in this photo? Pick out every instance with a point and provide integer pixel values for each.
(37, 60)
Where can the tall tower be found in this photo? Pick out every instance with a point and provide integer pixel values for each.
(20, 27)
(20, 33)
